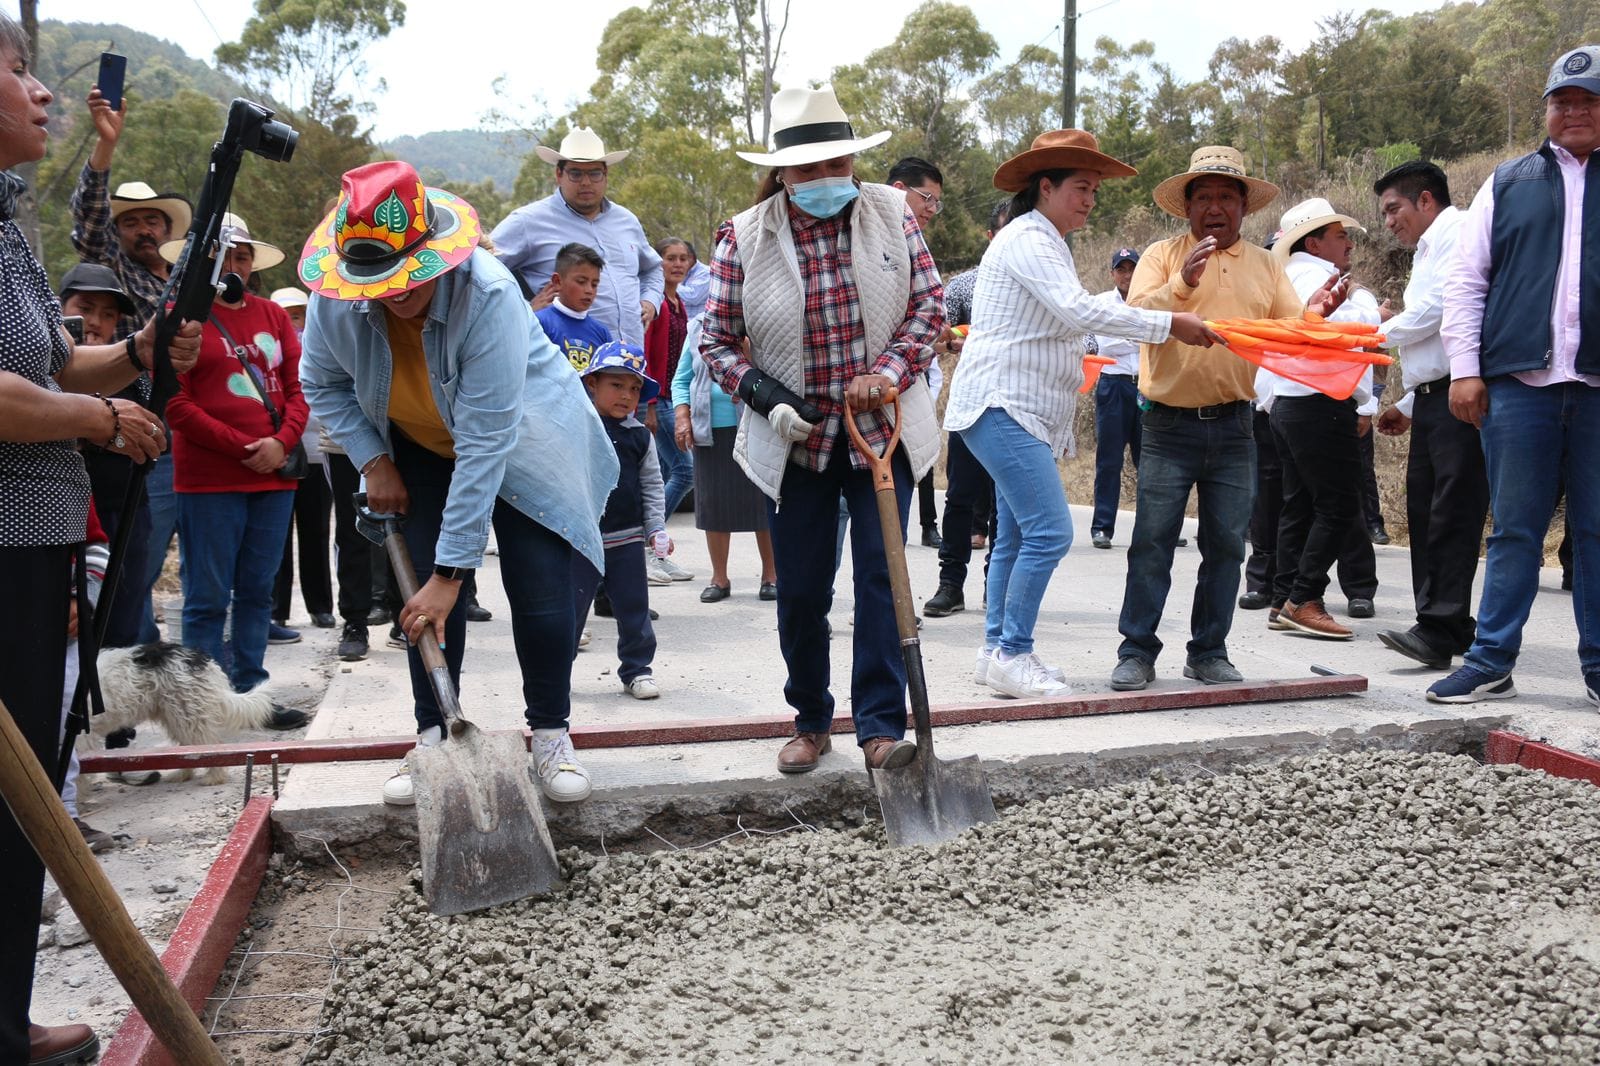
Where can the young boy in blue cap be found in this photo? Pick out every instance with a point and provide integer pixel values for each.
(634, 514)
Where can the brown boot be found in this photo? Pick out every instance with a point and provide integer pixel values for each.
(61, 1045)
(1314, 620)
(800, 755)
(886, 753)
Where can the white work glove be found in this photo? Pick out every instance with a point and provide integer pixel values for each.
(788, 424)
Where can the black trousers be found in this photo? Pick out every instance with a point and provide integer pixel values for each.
(1319, 524)
(968, 485)
(109, 476)
(1371, 504)
(353, 553)
(927, 509)
(33, 649)
(1447, 500)
(312, 500)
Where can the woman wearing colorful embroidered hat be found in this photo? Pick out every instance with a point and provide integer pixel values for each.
(425, 364)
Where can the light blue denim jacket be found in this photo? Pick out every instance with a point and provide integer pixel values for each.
(523, 425)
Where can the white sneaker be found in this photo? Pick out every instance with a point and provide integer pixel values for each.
(397, 791)
(643, 687)
(561, 776)
(655, 572)
(583, 639)
(676, 572)
(980, 671)
(1026, 677)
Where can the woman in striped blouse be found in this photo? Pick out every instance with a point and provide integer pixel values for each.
(1015, 390)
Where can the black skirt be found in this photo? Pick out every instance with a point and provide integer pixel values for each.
(725, 500)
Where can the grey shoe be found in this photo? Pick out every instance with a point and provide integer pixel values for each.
(1132, 673)
(1216, 671)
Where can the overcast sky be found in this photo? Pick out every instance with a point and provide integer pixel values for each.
(545, 50)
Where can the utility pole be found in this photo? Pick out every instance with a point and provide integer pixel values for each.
(1069, 65)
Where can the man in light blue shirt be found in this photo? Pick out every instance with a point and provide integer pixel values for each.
(579, 211)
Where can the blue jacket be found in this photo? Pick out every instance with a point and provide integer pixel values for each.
(1525, 256)
(523, 425)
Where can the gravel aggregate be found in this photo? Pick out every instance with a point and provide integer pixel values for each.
(1369, 908)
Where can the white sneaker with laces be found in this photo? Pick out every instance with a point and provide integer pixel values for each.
(1026, 677)
(655, 572)
(643, 687)
(398, 791)
(676, 572)
(562, 777)
(583, 639)
(980, 672)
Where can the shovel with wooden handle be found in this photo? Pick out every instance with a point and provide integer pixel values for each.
(928, 800)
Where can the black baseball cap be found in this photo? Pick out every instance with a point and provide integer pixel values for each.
(92, 277)
(1124, 255)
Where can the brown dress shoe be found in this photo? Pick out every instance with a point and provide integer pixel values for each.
(885, 753)
(1312, 619)
(800, 755)
(61, 1045)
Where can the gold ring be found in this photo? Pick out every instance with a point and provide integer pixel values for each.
(421, 620)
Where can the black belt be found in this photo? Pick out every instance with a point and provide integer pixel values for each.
(1207, 413)
(1436, 385)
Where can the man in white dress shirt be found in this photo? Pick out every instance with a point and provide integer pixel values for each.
(1447, 493)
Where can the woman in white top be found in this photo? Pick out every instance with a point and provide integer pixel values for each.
(1015, 390)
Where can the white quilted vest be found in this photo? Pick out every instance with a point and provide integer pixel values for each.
(774, 318)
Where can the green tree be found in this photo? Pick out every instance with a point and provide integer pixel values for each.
(1515, 48)
(1246, 74)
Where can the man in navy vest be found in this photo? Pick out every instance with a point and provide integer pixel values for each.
(1522, 330)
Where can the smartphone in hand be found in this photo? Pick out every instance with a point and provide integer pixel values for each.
(113, 69)
(73, 324)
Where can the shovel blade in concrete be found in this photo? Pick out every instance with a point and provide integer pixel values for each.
(930, 800)
(480, 825)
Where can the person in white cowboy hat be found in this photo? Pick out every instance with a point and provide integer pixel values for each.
(1199, 428)
(796, 330)
(425, 365)
(1318, 443)
(579, 211)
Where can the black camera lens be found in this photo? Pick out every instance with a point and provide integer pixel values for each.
(277, 141)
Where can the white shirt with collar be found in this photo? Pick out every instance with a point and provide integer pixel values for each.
(1414, 332)
(1125, 352)
(1308, 273)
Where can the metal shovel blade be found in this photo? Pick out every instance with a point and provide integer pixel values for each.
(480, 826)
(930, 800)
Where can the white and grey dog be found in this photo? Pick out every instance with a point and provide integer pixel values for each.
(179, 689)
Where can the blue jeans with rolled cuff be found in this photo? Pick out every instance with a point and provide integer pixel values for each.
(1116, 430)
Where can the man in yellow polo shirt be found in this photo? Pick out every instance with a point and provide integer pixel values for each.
(1198, 430)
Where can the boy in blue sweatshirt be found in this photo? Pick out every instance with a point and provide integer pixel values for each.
(566, 322)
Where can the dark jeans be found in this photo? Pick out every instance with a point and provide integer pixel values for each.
(162, 504)
(312, 500)
(677, 468)
(1317, 447)
(353, 553)
(536, 568)
(630, 604)
(1371, 503)
(1181, 452)
(968, 485)
(805, 563)
(109, 477)
(1447, 500)
(33, 650)
(1116, 428)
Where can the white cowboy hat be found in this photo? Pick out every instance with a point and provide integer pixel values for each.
(808, 126)
(137, 196)
(290, 296)
(1212, 161)
(1308, 216)
(267, 255)
(582, 145)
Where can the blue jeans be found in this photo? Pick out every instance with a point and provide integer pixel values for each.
(1532, 439)
(163, 524)
(1116, 430)
(629, 592)
(1033, 528)
(677, 468)
(232, 545)
(1181, 452)
(804, 557)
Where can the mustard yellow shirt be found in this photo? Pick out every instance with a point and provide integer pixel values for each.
(411, 405)
(1240, 281)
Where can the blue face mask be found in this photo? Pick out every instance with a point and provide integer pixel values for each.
(824, 197)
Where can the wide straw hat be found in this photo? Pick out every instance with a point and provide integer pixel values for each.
(267, 255)
(1213, 161)
(137, 196)
(1308, 216)
(808, 126)
(582, 145)
(1059, 150)
(388, 234)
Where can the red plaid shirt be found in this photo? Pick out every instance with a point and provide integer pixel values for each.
(835, 340)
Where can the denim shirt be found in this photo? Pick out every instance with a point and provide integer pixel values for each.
(523, 425)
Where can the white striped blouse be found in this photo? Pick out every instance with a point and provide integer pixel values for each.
(1031, 320)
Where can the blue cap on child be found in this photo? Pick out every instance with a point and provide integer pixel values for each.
(627, 358)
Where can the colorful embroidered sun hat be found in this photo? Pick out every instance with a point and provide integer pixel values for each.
(388, 233)
(626, 358)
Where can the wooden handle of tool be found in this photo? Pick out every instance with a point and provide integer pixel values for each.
(894, 544)
(405, 575)
(48, 827)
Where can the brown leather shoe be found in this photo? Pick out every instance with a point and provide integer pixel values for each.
(1312, 619)
(61, 1045)
(800, 755)
(886, 753)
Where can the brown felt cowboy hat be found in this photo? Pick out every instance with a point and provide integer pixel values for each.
(1215, 160)
(1059, 150)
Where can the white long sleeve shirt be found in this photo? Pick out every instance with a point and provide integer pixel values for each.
(1031, 321)
(1414, 332)
(1124, 351)
(1308, 273)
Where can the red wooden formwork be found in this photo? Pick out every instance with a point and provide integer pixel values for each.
(1504, 748)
